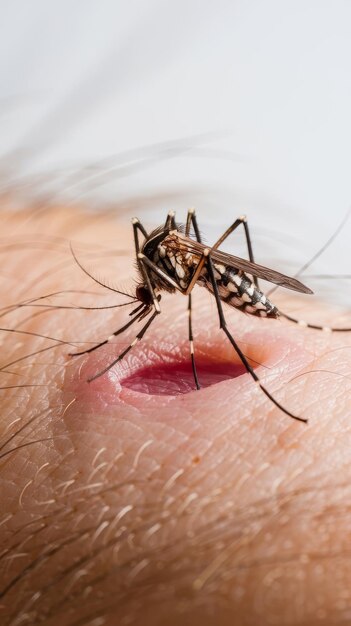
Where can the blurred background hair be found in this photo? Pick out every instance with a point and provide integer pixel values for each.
(141, 107)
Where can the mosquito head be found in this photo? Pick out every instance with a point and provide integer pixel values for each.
(143, 294)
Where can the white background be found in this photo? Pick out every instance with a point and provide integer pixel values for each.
(231, 106)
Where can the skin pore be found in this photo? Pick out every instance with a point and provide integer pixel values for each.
(125, 507)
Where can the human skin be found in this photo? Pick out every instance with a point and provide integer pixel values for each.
(122, 507)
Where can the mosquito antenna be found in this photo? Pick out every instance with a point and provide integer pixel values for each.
(48, 308)
(27, 332)
(99, 282)
(12, 307)
(78, 308)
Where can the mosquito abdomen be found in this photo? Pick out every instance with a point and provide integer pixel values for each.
(237, 289)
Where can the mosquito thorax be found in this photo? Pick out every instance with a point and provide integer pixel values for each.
(152, 242)
(165, 248)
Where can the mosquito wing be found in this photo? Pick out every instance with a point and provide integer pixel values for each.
(260, 271)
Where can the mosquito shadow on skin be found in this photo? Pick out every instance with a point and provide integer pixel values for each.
(174, 379)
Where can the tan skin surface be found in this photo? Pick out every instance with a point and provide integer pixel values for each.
(212, 507)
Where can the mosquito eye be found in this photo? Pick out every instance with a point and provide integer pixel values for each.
(143, 294)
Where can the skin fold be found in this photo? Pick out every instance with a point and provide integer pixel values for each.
(121, 507)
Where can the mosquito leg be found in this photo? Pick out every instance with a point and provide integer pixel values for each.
(191, 219)
(223, 326)
(238, 222)
(170, 221)
(146, 262)
(137, 225)
(327, 329)
(138, 337)
(117, 332)
(191, 344)
(249, 246)
(242, 220)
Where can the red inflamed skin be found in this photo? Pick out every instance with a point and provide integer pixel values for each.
(135, 499)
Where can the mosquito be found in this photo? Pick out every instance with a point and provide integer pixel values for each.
(169, 259)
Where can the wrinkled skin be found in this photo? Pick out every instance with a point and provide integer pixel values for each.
(121, 507)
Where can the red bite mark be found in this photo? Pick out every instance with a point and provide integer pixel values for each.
(174, 379)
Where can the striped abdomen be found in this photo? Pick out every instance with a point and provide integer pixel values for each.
(237, 289)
